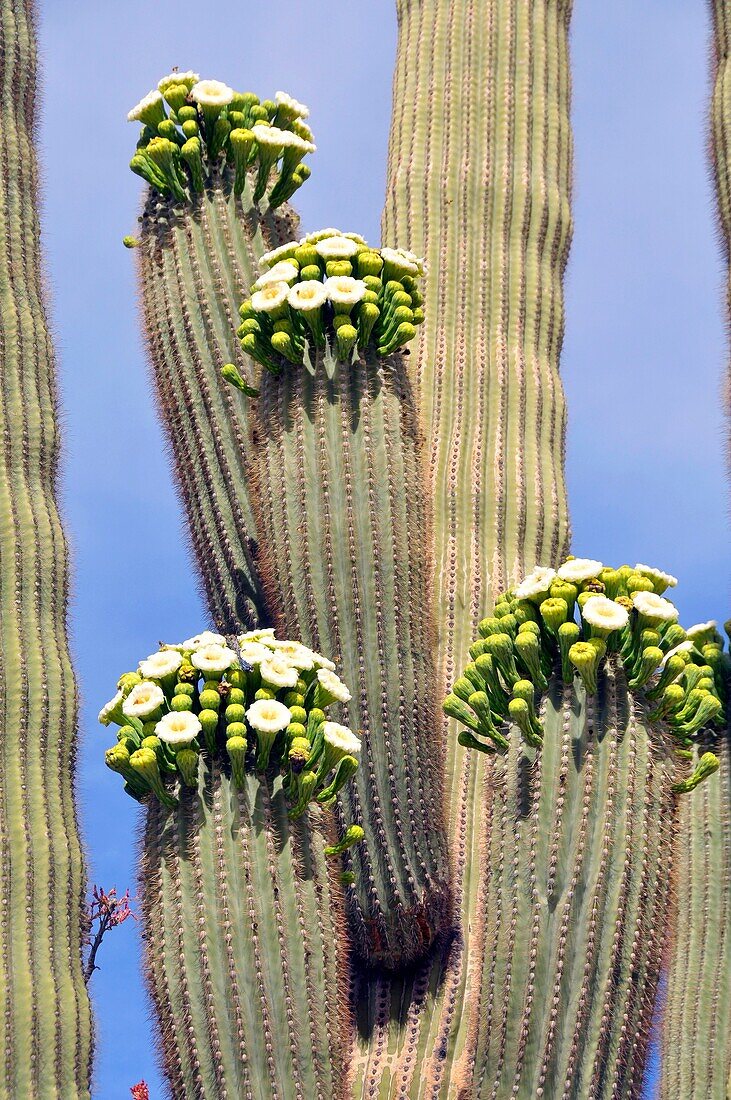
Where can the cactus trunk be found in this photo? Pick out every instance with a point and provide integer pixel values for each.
(195, 265)
(246, 960)
(479, 182)
(45, 1028)
(699, 967)
(343, 515)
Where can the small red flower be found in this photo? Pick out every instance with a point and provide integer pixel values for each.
(140, 1091)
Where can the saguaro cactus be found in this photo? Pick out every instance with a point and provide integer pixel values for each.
(45, 1034)
(699, 969)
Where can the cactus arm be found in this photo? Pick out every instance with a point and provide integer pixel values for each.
(479, 182)
(246, 964)
(343, 517)
(46, 1031)
(194, 267)
(699, 965)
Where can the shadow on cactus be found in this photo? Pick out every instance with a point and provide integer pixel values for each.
(329, 294)
(259, 706)
(191, 126)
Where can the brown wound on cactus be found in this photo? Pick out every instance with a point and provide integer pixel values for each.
(257, 706)
(572, 620)
(329, 292)
(192, 127)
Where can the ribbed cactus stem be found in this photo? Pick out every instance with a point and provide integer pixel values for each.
(245, 954)
(45, 1019)
(344, 522)
(695, 1055)
(479, 183)
(196, 263)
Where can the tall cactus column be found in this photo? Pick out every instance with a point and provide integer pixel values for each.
(45, 1019)
(478, 182)
(697, 987)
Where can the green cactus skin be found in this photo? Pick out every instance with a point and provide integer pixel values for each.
(695, 1055)
(195, 265)
(246, 961)
(479, 183)
(45, 1017)
(344, 522)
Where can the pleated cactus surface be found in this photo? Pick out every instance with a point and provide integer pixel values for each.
(45, 1016)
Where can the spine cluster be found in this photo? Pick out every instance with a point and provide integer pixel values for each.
(621, 611)
(261, 704)
(192, 127)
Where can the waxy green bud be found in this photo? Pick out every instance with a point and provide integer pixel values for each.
(468, 741)
(232, 375)
(457, 708)
(500, 647)
(520, 715)
(648, 662)
(354, 834)
(564, 590)
(209, 699)
(586, 657)
(126, 682)
(530, 654)
(637, 583)
(299, 714)
(181, 703)
(487, 669)
(191, 154)
(704, 712)
(236, 749)
(346, 336)
(235, 729)
(144, 763)
(305, 789)
(190, 129)
(490, 625)
(242, 144)
(346, 768)
(707, 765)
(463, 687)
(525, 612)
(118, 759)
(674, 666)
(480, 704)
(554, 612)
(568, 635)
(183, 688)
(613, 583)
(672, 636)
(368, 262)
(299, 753)
(668, 704)
(234, 713)
(532, 627)
(164, 153)
(187, 761)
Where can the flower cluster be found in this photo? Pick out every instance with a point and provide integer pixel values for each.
(260, 703)
(330, 290)
(573, 618)
(191, 125)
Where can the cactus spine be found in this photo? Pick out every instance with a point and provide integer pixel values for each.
(196, 261)
(478, 182)
(343, 516)
(699, 970)
(45, 1028)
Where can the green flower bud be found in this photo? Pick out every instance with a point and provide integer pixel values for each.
(144, 763)
(568, 634)
(130, 242)
(637, 583)
(468, 741)
(191, 154)
(668, 704)
(703, 712)
(477, 648)
(613, 583)
(234, 713)
(403, 335)
(117, 759)
(187, 760)
(487, 668)
(208, 719)
(181, 703)
(209, 699)
(242, 144)
(530, 626)
(520, 715)
(232, 376)
(707, 765)
(236, 749)
(368, 262)
(176, 95)
(354, 834)
(299, 753)
(500, 647)
(463, 687)
(530, 655)
(190, 129)
(167, 129)
(673, 635)
(649, 660)
(183, 688)
(585, 657)
(457, 708)
(490, 625)
(305, 790)
(236, 729)
(346, 768)
(674, 666)
(554, 612)
(164, 155)
(480, 704)
(502, 608)
(524, 612)
(368, 315)
(127, 681)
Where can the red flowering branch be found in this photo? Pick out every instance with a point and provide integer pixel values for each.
(107, 911)
(140, 1091)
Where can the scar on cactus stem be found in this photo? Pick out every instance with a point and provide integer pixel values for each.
(257, 705)
(191, 127)
(329, 290)
(622, 615)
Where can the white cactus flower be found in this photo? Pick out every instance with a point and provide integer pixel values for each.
(344, 290)
(292, 105)
(538, 581)
(700, 629)
(283, 271)
(108, 709)
(189, 79)
(268, 716)
(256, 635)
(278, 671)
(163, 663)
(396, 257)
(206, 637)
(580, 569)
(684, 647)
(340, 738)
(282, 252)
(320, 235)
(657, 574)
(254, 652)
(143, 700)
(270, 297)
(213, 658)
(212, 93)
(178, 728)
(322, 662)
(336, 248)
(604, 613)
(333, 685)
(655, 607)
(273, 136)
(298, 655)
(307, 295)
(152, 99)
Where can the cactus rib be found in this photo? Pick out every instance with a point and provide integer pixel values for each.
(478, 182)
(247, 965)
(344, 523)
(194, 266)
(46, 1031)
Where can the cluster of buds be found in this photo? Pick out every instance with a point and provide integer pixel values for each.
(329, 290)
(190, 126)
(570, 621)
(259, 702)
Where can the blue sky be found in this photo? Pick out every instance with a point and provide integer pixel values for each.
(643, 357)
